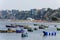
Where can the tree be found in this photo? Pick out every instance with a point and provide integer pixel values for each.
(54, 19)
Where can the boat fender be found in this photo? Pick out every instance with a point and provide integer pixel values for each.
(45, 33)
(53, 33)
(49, 33)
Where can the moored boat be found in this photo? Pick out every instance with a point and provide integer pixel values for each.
(58, 29)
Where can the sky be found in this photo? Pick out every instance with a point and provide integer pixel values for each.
(28, 4)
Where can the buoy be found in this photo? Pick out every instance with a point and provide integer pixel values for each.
(30, 30)
(52, 33)
(45, 33)
(48, 33)
(55, 33)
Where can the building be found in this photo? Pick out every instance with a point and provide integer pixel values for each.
(30, 19)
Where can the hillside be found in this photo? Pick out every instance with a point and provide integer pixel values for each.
(37, 14)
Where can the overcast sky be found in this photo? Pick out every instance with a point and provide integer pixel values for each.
(28, 4)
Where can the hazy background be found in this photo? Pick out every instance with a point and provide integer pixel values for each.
(28, 4)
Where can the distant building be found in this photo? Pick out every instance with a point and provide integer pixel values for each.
(15, 11)
(34, 14)
(42, 13)
(34, 11)
(30, 19)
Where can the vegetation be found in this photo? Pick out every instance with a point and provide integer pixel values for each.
(54, 19)
(49, 14)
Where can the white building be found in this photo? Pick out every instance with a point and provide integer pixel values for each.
(30, 19)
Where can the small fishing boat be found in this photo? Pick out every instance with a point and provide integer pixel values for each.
(58, 29)
(30, 30)
(35, 29)
(3, 31)
(20, 31)
(10, 26)
(14, 26)
(24, 35)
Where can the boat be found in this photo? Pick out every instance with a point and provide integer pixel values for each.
(35, 29)
(10, 26)
(58, 29)
(14, 25)
(30, 30)
(24, 35)
(43, 27)
(3, 31)
(20, 31)
(10, 31)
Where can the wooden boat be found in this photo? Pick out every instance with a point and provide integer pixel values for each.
(3, 31)
(13, 26)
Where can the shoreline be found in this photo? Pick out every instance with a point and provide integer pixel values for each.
(32, 21)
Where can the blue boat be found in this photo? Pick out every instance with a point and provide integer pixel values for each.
(20, 31)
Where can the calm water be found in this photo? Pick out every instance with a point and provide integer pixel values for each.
(31, 36)
(36, 35)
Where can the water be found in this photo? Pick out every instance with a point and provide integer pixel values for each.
(36, 35)
(31, 36)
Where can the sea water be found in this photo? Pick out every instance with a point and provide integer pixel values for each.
(35, 35)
